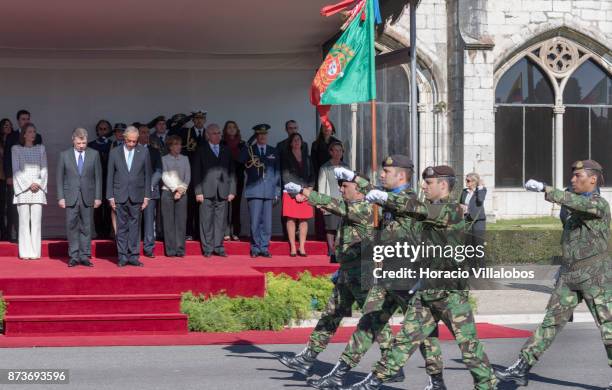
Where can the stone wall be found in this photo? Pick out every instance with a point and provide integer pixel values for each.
(466, 42)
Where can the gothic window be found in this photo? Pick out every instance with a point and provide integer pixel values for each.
(392, 118)
(563, 75)
(523, 125)
(587, 122)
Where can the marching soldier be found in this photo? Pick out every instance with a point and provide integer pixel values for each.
(443, 225)
(262, 188)
(585, 272)
(356, 225)
(381, 303)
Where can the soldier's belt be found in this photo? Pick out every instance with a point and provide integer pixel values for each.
(578, 264)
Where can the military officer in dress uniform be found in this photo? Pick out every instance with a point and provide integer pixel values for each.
(262, 188)
(159, 135)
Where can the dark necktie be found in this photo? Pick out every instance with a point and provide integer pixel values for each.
(80, 163)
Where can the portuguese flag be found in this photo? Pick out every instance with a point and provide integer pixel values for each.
(348, 73)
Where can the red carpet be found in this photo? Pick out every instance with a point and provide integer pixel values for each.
(45, 297)
(288, 336)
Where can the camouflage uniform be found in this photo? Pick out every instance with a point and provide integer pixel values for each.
(356, 225)
(585, 271)
(381, 303)
(444, 219)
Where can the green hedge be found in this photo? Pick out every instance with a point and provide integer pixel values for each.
(285, 300)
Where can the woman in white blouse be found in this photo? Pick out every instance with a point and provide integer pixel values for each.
(175, 179)
(30, 186)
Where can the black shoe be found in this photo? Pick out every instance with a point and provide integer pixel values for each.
(254, 254)
(436, 382)
(302, 254)
(121, 264)
(87, 263)
(221, 253)
(333, 379)
(292, 254)
(73, 263)
(371, 382)
(207, 254)
(397, 378)
(150, 255)
(517, 373)
(136, 263)
(302, 362)
(265, 254)
(180, 255)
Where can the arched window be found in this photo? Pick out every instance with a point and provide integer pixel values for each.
(587, 122)
(524, 129)
(392, 118)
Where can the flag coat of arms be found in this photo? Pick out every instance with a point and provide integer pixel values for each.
(348, 73)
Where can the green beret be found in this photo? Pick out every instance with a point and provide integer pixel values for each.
(399, 161)
(438, 171)
(587, 164)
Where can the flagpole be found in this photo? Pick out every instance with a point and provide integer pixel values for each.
(374, 156)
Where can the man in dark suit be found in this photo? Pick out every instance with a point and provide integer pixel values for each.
(151, 226)
(79, 191)
(193, 138)
(102, 219)
(215, 186)
(262, 188)
(128, 190)
(23, 118)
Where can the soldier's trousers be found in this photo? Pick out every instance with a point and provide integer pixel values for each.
(380, 305)
(338, 307)
(560, 307)
(422, 315)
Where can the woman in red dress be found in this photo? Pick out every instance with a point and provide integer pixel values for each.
(297, 168)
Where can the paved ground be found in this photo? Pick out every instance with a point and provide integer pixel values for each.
(576, 361)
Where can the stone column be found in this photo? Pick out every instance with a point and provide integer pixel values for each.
(559, 110)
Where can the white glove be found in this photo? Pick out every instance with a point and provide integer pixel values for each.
(534, 185)
(377, 196)
(293, 188)
(344, 174)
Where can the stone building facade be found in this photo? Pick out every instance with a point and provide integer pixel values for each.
(509, 89)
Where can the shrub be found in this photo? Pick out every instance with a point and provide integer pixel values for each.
(285, 300)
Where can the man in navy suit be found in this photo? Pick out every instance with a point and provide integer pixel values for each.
(128, 190)
(262, 188)
(215, 186)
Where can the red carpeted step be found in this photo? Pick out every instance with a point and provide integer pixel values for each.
(164, 323)
(44, 305)
(106, 248)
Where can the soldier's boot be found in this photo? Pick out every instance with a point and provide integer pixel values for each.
(436, 382)
(517, 373)
(333, 379)
(399, 377)
(371, 382)
(302, 362)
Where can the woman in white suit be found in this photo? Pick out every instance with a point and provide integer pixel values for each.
(30, 185)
